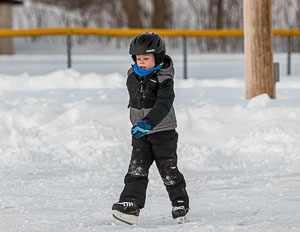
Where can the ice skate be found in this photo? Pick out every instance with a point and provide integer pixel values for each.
(179, 213)
(126, 212)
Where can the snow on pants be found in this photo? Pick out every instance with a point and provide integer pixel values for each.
(161, 148)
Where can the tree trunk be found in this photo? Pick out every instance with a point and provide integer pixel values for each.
(219, 23)
(132, 9)
(259, 48)
(162, 15)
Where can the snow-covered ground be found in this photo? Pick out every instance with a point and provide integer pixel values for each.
(65, 146)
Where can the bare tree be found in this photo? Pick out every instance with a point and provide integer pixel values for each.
(92, 11)
(132, 14)
(286, 15)
(132, 9)
(297, 42)
(218, 14)
(219, 24)
(161, 17)
(215, 9)
(202, 14)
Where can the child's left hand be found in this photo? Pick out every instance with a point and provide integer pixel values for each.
(140, 129)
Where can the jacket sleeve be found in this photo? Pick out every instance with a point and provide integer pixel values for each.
(164, 102)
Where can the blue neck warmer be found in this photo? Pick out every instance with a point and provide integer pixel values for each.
(146, 72)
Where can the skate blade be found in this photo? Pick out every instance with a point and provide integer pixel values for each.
(126, 218)
(182, 220)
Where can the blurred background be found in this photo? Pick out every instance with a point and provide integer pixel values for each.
(43, 54)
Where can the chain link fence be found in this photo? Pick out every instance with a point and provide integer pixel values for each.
(206, 58)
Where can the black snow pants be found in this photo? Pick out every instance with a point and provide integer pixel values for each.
(161, 148)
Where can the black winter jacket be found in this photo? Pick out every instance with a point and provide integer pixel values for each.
(151, 97)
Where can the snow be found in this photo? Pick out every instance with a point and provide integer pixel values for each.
(65, 147)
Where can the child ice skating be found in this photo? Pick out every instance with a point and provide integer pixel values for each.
(150, 84)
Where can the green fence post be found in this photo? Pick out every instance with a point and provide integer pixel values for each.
(69, 48)
(289, 55)
(184, 58)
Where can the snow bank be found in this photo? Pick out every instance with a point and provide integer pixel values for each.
(75, 119)
(64, 79)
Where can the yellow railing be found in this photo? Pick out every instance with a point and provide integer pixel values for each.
(133, 32)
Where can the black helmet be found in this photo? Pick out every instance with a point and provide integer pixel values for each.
(148, 43)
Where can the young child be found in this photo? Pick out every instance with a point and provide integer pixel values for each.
(151, 89)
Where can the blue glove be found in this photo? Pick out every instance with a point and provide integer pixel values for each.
(140, 129)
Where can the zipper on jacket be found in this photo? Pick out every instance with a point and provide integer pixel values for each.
(141, 95)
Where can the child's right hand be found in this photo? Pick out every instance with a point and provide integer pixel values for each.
(140, 129)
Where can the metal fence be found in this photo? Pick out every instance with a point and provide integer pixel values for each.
(105, 51)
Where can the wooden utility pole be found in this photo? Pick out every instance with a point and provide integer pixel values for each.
(258, 37)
